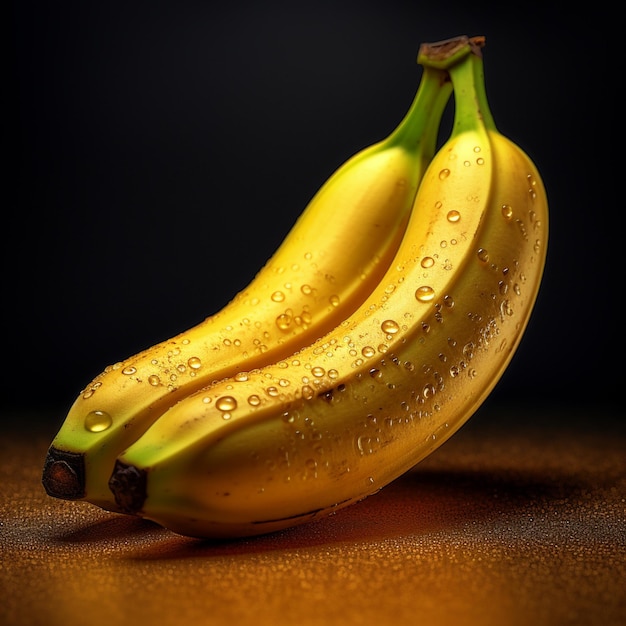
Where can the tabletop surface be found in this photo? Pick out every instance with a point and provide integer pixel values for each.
(520, 518)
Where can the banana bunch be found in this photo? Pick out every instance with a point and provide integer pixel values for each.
(328, 417)
(333, 257)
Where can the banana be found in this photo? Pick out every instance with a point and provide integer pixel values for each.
(341, 418)
(331, 259)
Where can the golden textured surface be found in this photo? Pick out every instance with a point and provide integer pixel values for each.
(518, 519)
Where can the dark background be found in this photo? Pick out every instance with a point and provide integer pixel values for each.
(161, 151)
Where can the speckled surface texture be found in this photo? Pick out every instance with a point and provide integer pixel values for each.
(519, 519)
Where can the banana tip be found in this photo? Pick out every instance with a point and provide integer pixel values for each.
(64, 474)
(128, 485)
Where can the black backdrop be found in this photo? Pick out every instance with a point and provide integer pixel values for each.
(161, 151)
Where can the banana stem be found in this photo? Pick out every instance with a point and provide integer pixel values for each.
(481, 92)
(471, 108)
(462, 58)
(419, 128)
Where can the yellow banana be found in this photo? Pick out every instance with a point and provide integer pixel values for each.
(329, 262)
(341, 418)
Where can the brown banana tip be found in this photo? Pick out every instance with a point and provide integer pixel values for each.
(128, 485)
(64, 474)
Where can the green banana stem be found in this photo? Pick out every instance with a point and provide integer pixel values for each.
(471, 108)
(417, 131)
(481, 92)
(462, 58)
